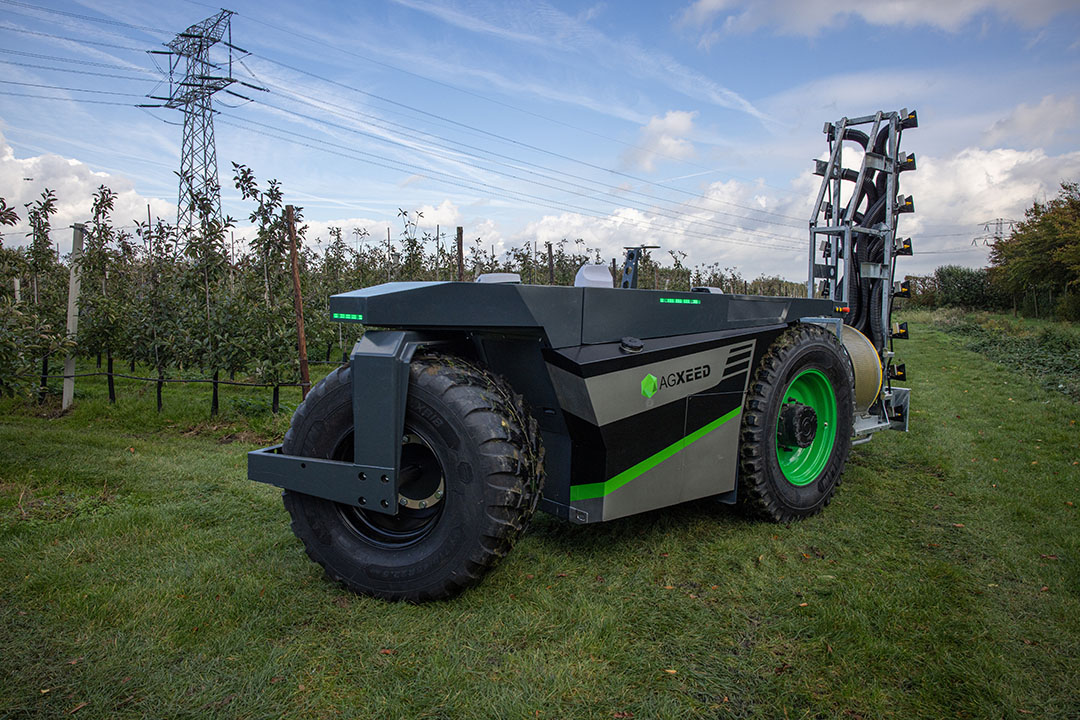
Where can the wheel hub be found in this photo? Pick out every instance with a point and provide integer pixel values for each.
(798, 425)
(420, 482)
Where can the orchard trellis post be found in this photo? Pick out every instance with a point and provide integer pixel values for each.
(298, 302)
(72, 313)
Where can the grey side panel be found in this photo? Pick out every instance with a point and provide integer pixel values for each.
(704, 468)
(604, 399)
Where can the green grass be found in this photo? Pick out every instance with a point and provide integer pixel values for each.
(142, 574)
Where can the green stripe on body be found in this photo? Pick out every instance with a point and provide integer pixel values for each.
(600, 489)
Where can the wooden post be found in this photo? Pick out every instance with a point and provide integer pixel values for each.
(298, 303)
(460, 255)
(551, 265)
(74, 283)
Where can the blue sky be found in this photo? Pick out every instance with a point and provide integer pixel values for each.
(692, 125)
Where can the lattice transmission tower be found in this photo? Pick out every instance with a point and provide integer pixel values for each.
(193, 79)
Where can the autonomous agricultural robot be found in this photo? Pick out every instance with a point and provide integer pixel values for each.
(410, 471)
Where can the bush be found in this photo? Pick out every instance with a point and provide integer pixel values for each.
(966, 287)
(1068, 307)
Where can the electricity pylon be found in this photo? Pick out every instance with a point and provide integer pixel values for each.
(199, 200)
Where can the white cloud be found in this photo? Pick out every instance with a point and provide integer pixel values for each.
(1035, 126)
(662, 137)
(809, 17)
(73, 182)
(975, 185)
(445, 215)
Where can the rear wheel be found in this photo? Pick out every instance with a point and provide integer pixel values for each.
(796, 428)
(471, 476)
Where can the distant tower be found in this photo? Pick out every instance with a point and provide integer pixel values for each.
(193, 94)
(997, 233)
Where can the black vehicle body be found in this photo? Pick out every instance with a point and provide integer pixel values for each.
(613, 448)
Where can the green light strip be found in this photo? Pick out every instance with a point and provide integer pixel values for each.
(348, 316)
(600, 489)
(680, 301)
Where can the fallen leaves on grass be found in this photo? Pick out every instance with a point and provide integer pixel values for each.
(803, 604)
(1044, 588)
(386, 651)
(670, 672)
(623, 714)
(275, 680)
(1049, 557)
(77, 708)
(958, 524)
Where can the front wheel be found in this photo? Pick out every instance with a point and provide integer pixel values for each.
(796, 428)
(471, 476)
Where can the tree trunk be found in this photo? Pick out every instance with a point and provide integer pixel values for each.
(277, 397)
(214, 396)
(44, 379)
(109, 371)
(329, 348)
(99, 361)
(160, 384)
(132, 366)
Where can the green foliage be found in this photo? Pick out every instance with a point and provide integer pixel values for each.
(1043, 251)
(1045, 351)
(23, 340)
(965, 287)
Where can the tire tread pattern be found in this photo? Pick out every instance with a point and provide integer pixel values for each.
(505, 433)
(755, 492)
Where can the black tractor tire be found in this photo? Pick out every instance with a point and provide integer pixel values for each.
(463, 422)
(763, 488)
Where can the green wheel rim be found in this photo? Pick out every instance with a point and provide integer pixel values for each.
(802, 466)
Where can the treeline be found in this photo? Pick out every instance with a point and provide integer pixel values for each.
(1034, 271)
(191, 303)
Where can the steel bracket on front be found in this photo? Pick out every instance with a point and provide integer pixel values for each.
(380, 384)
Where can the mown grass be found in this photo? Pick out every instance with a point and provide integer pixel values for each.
(143, 575)
(1045, 350)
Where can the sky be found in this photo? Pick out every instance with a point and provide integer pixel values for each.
(689, 125)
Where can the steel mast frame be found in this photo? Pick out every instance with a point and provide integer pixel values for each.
(199, 195)
(832, 224)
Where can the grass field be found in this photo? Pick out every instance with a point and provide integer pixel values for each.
(141, 575)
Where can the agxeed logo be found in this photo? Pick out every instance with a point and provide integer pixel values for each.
(650, 384)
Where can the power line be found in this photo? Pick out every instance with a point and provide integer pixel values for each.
(80, 41)
(506, 139)
(476, 186)
(379, 122)
(679, 216)
(494, 135)
(69, 89)
(89, 18)
(604, 191)
(75, 61)
(456, 88)
(65, 99)
(72, 70)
